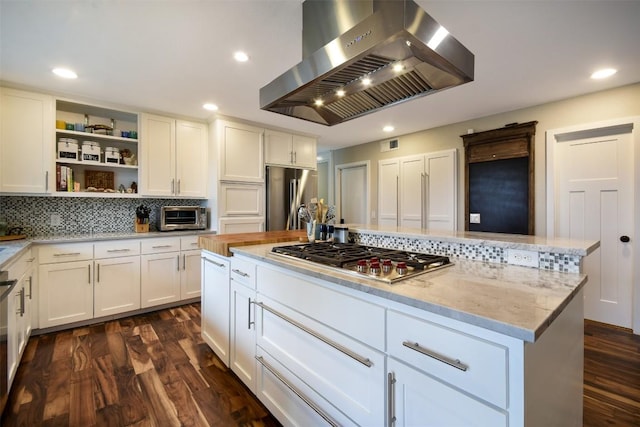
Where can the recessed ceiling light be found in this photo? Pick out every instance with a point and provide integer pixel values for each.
(388, 128)
(604, 73)
(340, 92)
(211, 107)
(366, 81)
(318, 102)
(65, 73)
(397, 67)
(240, 56)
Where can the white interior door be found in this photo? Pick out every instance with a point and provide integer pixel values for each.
(353, 193)
(594, 201)
(442, 190)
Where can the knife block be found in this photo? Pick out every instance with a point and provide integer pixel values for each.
(141, 228)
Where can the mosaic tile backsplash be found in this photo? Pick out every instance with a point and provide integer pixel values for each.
(80, 215)
(547, 261)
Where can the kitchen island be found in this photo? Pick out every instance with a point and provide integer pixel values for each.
(478, 343)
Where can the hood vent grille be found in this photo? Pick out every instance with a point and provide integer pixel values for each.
(396, 33)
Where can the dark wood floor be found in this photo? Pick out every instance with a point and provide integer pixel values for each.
(147, 370)
(155, 370)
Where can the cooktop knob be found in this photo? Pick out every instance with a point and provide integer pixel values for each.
(401, 268)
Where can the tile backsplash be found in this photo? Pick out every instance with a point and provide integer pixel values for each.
(80, 215)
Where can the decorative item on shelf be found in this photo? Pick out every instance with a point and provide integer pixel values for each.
(99, 181)
(90, 152)
(68, 148)
(142, 219)
(134, 187)
(125, 157)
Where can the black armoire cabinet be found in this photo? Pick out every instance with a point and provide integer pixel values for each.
(499, 179)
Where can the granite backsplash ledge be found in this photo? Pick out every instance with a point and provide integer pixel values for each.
(80, 215)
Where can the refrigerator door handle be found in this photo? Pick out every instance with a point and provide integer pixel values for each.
(292, 205)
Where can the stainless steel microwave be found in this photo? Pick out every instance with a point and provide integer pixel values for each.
(182, 218)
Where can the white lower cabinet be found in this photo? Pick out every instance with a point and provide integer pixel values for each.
(242, 318)
(190, 279)
(215, 304)
(159, 279)
(419, 399)
(66, 292)
(117, 285)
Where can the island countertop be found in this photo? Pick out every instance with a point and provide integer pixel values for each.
(516, 301)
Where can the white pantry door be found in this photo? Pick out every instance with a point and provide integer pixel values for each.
(594, 201)
(354, 193)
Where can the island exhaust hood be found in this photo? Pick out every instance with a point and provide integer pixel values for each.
(364, 55)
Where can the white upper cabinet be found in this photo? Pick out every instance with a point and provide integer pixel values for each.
(285, 149)
(240, 152)
(26, 135)
(174, 157)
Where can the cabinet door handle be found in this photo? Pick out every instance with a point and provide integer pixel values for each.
(173, 186)
(249, 322)
(178, 259)
(366, 362)
(98, 273)
(31, 259)
(217, 264)
(21, 311)
(30, 287)
(46, 181)
(397, 200)
(67, 254)
(184, 261)
(440, 358)
(298, 393)
(290, 156)
(240, 272)
(391, 389)
(295, 157)
(89, 273)
(118, 250)
(178, 192)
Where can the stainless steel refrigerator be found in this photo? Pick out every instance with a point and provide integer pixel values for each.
(287, 189)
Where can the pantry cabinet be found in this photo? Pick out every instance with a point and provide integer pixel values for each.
(174, 157)
(215, 304)
(26, 139)
(289, 150)
(419, 191)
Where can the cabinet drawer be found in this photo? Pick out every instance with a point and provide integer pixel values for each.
(21, 265)
(498, 151)
(188, 243)
(243, 271)
(479, 366)
(157, 246)
(117, 248)
(356, 318)
(65, 252)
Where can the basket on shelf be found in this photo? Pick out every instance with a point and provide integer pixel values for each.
(99, 180)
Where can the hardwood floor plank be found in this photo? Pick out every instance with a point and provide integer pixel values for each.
(138, 355)
(82, 411)
(118, 350)
(163, 363)
(146, 333)
(81, 352)
(189, 413)
(161, 409)
(58, 387)
(105, 387)
(132, 407)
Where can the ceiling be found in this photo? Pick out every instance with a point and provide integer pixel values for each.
(172, 56)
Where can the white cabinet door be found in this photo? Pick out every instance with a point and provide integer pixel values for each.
(26, 138)
(191, 159)
(65, 293)
(159, 279)
(14, 326)
(243, 334)
(412, 192)
(240, 152)
(117, 285)
(304, 152)
(240, 225)
(241, 199)
(278, 148)
(158, 159)
(388, 183)
(190, 274)
(442, 190)
(215, 304)
(420, 400)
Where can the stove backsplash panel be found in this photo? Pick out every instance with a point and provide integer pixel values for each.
(84, 215)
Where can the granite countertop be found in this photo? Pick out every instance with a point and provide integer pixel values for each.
(516, 301)
(477, 238)
(12, 249)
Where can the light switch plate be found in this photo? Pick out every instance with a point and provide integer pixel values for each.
(474, 218)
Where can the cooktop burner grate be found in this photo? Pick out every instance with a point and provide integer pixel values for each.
(388, 265)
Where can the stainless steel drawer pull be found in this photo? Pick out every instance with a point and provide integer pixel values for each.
(298, 393)
(160, 246)
(391, 393)
(217, 264)
(118, 250)
(67, 254)
(366, 362)
(31, 259)
(451, 362)
(239, 272)
(249, 322)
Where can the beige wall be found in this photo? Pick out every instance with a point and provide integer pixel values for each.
(595, 107)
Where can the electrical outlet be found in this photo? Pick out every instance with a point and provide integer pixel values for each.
(474, 218)
(55, 220)
(524, 258)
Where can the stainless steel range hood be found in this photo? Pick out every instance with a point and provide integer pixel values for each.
(395, 44)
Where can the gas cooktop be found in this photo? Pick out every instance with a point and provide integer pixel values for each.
(387, 265)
